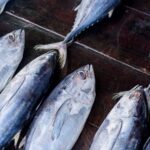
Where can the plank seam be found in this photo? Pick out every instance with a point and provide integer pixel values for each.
(137, 10)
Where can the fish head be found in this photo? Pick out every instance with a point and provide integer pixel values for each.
(12, 44)
(133, 104)
(41, 65)
(82, 84)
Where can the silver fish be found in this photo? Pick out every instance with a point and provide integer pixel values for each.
(89, 12)
(11, 54)
(61, 119)
(22, 94)
(3, 4)
(125, 126)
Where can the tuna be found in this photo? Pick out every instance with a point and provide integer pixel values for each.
(62, 116)
(125, 126)
(2, 5)
(89, 12)
(11, 54)
(23, 94)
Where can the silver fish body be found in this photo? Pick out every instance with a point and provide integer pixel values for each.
(61, 119)
(3, 4)
(22, 94)
(125, 126)
(11, 54)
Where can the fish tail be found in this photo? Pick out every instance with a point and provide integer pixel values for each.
(60, 47)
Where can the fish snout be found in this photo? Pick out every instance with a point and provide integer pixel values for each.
(89, 86)
(19, 35)
(51, 56)
(89, 71)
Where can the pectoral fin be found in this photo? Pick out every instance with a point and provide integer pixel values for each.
(110, 13)
(59, 121)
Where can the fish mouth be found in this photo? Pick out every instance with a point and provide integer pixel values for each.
(20, 33)
(89, 68)
(89, 71)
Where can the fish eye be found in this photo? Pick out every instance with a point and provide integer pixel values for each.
(82, 75)
(12, 37)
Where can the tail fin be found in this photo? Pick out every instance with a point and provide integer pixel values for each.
(60, 47)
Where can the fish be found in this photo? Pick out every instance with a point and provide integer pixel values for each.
(23, 94)
(125, 126)
(63, 114)
(2, 5)
(11, 54)
(147, 145)
(89, 12)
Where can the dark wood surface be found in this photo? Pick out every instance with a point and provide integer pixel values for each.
(118, 48)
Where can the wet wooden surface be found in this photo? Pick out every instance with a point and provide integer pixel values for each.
(119, 47)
